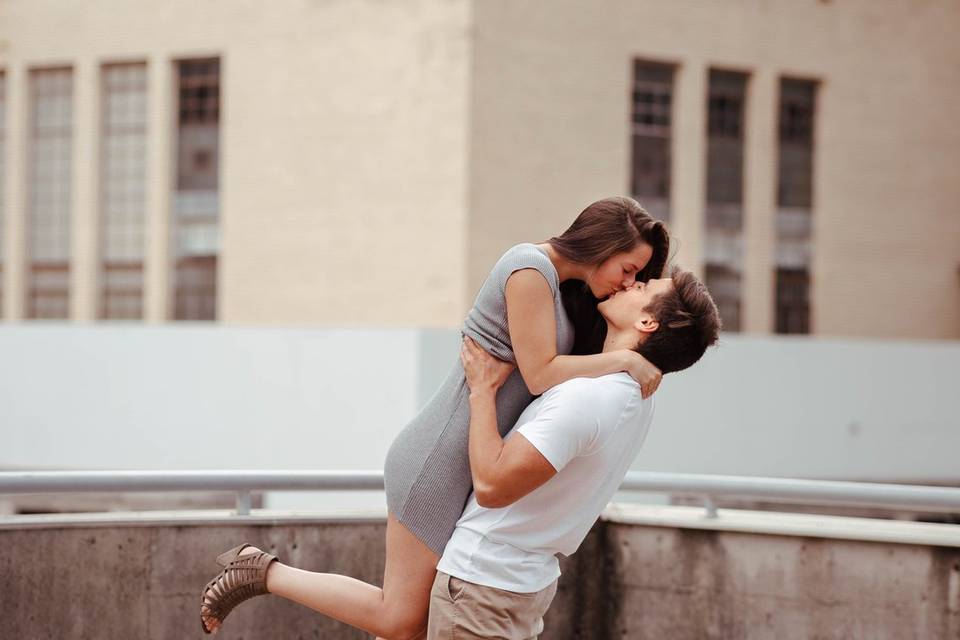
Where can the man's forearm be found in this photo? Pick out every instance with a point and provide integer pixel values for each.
(485, 443)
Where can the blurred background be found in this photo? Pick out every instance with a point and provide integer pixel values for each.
(243, 235)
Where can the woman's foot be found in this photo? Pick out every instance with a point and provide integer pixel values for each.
(210, 621)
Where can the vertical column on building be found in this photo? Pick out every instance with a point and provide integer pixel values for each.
(14, 269)
(86, 179)
(687, 196)
(759, 202)
(159, 184)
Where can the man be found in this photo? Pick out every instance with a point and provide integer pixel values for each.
(538, 491)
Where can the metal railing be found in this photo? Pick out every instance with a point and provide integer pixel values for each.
(707, 487)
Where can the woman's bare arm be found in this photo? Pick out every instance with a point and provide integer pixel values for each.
(533, 333)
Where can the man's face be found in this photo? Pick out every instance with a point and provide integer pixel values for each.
(628, 307)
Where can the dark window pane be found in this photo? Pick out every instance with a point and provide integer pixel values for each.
(724, 208)
(196, 204)
(199, 91)
(49, 291)
(123, 290)
(724, 285)
(725, 104)
(651, 136)
(725, 136)
(797, 103)
(196, 288)
(794, 199)
(793, 302)
(49, 193)
(123, 190)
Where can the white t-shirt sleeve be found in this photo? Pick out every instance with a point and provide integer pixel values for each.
(564, 426)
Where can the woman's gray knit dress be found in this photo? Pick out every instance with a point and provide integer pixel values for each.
(427, 471)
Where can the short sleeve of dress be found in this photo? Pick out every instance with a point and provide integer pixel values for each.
(526, 256)
(487, 322)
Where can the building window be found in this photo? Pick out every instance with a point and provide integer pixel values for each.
(794, 204)
(725, 99)
(726, 95)
(793, 303)
(123, 190)
(49, 193)
(795, 183)
(3, 173)
(650, 139)
(724, 285)
(196, 203)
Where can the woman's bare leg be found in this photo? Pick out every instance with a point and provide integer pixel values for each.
(397, 612)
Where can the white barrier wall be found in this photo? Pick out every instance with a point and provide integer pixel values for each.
(204, 397)
(796, 406)
(214, 397)
(815, 408)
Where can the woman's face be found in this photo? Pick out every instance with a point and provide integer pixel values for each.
(619, 271)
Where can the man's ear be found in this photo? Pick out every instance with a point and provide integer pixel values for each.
(646, 323)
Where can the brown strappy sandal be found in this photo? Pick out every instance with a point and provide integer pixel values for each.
(242, 578)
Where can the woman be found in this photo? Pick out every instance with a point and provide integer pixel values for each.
(533, 303)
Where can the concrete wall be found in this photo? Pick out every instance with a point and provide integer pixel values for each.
(683, 583)
(112, 576)
(550, 133)
(146, 581)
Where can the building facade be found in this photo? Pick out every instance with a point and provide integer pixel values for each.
(360, 163)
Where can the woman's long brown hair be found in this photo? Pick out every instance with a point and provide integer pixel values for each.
(605, 228)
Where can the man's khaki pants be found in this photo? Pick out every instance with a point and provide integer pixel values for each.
(461, 610)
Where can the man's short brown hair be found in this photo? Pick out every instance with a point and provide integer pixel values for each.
(689, 323)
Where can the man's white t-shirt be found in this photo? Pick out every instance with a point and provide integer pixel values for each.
(590, 430)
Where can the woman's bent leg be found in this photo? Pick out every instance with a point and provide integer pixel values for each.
(397, 612)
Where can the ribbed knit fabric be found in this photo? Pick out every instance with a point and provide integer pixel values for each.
(427, 470)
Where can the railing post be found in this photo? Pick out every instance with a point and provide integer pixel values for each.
(243, 503)
(710, 506)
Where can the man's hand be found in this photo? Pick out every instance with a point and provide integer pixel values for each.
(484, 372)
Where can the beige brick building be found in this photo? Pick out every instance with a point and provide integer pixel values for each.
(350, 162)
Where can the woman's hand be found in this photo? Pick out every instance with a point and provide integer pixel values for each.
(484, 372)
(646, 375)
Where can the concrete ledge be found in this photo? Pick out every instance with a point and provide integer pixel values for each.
(762, 522)
(218, 517)
(787, 524)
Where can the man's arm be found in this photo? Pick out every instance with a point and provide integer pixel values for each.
(503, 472)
